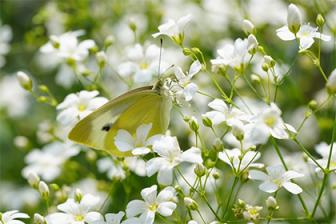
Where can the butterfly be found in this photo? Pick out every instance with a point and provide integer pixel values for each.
(145, 105)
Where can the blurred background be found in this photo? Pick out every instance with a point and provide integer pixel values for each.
(25, 26)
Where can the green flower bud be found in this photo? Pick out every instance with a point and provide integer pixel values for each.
(293, 18)
(24, 80)
(312, 105)
(320, 20)
(206, 121)
(39, 219)
(199, 170)
(78, 195)
(190, 203)
(44, 190)
(272, 203)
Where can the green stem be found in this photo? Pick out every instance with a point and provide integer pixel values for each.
(235, 181)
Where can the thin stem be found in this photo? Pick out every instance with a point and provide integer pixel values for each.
(235, 181)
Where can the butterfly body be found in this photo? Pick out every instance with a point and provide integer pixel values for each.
(145, 105)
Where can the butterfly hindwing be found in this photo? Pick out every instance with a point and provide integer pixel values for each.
(140, 106)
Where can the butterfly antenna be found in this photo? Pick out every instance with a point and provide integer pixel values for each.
(159, 69)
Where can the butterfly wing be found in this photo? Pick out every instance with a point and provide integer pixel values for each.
(140, 106)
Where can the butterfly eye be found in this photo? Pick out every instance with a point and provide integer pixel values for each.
(106, 127)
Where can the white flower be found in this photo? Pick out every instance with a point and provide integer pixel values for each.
(234, 55)
(252, 212)
(238, 160)
(293, 18)
(139, 144)
(163, 203)
(111, 218)
(324, 149)
(47, 163)
(24, 80)
(142, 62)
(171, 156)
(112, 167)
(5, 37)
(10, 89)
(222, 113)
(271, 122)
(11, 217)
(137, 165)
(173, 28)
(306, 35)
(331, 83)
(76, 106)
(73, 212)
(275, 178)
(184, 80)
(67, 46)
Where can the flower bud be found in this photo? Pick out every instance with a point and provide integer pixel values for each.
(269, 60)
(109, 41)
(132, 25)
(33, 179)
(252, 44)
(312, 105)
(271, 203)
(39, 219)
(101, 58)
(44, 190)
(265, 67)
(248, 26)
(215, 174)
(206, 121)
(255, 78)
(24, 80)
(43, 88)
(54, 41)
(190, 203)
(320, 20)
(21, 142)
(238, 130)
(331, 83)
(78, 195)
(199, 170)
(42, 99)
(293, 18)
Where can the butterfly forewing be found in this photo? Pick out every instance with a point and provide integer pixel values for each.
(140, 106)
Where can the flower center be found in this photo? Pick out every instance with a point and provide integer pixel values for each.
(144, 65)
(270, 121)
(79, 218)
(153, 207)
(81, 107)
(278, 182)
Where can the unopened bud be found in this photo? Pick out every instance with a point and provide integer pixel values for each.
(33, 179)
(54, 41)
(109, 41)
(312, 105)
(24, 80)
(39, 219)
(21, 142)
(215, 174)
(265, 67)
(199, 170)
(206, 121)
(248, 26)
(132, 25)
(271, 203)
(320, 20)
(43, 88)
(255, 78)
(42, 99)
(269, 60)
(252, 44)
(238, 130)
(190, 203)
(331, 83)
(101, 58)
(293, 18)
(78, 195)
(44, 190)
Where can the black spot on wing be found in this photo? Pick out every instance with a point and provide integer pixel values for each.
(106, 127)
